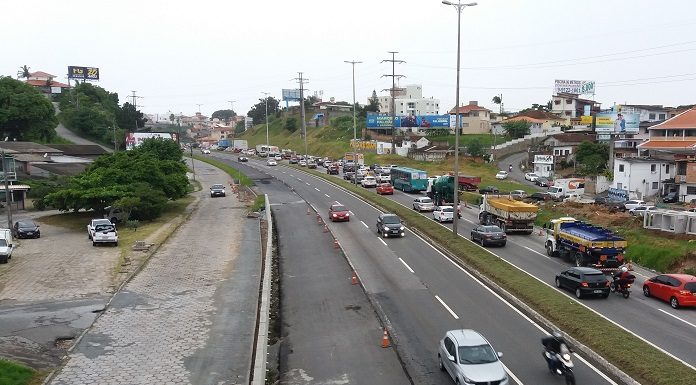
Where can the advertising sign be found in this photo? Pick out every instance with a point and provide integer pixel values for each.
(424, 121)
(577, 87)
(382, 121)
(134, 139)
(291, 95)
(83, 73)
(545, 159)
(617, 123)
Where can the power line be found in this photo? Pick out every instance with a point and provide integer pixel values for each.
(392, 92)
(301, 80)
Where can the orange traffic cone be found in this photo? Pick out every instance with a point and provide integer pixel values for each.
(385, 339)
(307, 210)
(354, 279)
(335, 243)
(318, 218)
(326, 229)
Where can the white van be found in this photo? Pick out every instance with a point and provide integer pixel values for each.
(6, 245)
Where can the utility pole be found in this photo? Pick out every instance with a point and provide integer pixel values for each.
(265, 94)
(8, 199)
(302, 81)
(393, 90)
(199, 107)
(135, 108)
(355, 132)
(231, 104)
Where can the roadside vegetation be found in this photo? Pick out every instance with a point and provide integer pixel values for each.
(231, 171)
(636, 358)
(16, 374)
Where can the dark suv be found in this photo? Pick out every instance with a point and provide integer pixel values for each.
(672, 197)
(390, 225)
(584, 281)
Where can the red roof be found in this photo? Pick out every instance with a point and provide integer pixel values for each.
(686, 119)
(669, 144)
(41, 74)
(42, 83)
(467, 109)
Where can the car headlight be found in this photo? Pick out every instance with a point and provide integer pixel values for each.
(401, 228)
(347, 214)
(566, 356)
(334, 215)
(386, 228)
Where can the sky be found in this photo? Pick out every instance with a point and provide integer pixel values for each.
(178, 54)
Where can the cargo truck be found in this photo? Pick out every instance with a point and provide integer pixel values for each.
(355, 157)
(564, 187)
(584, 244)
(442, 189)
(507, 213)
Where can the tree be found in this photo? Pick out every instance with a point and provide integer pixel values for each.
(291, 124)
(592, 157)
(499, 101)
(23, 72)
(475, 148)
(25, 114)
(517, 128)
(372, 105)
(225, 115)
(129, 117)
(258, 110)
(437, 132)
(240, 127)
(172, 118)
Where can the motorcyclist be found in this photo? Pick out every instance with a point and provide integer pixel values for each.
(623, 277)
(553, 344)
(510, 167)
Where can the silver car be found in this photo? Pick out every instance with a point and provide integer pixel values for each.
(423, 204)
(470, 359)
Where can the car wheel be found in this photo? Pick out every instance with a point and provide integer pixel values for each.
(549, 249)
(115, 244)
(3, 259)
(38, 236)
(442, 365)
(606, 296)
(578, 293)
(674, 303)
(558, 283)
(94, 243)
(646, 291)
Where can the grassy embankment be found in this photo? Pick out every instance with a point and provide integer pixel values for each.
(15, 374)
(636, 358)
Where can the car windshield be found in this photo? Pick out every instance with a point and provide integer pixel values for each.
(492, 229)
(391, 219)
(26, 225)
(217, 186)
(339, 208)
(481, 354)
(426, 200)
(447, 209)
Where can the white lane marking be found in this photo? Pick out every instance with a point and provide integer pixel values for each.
(286, 173)
(534, 251)
(674, 316)
(315, 188)
(307, 183)
(514, 377)
(294, 176)
(447, 307)
(380, 239)
(604, 376)
(301, 181)
(407, 266)
(327, 195)
(365, 224)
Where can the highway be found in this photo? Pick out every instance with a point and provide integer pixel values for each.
(420, 293)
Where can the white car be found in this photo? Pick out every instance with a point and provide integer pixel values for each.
(205, 151)
(271, 162)
(443, 214)
(531, 176)
(93, 224)
(384, 178)
(278, 157)
(641, 210)
(632, 204)
(470, 359)
(302, 163)
(369, 181)
(518, 194)
(423, 204)
(105, 234)
(501, 175)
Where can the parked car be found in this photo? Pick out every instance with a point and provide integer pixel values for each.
(677, 289)
(443, 214)
(501, 175)
(423, 204)
(488, 235)
(369, 181)
(243, 158)
(539, 197)
(583, 281)
(6, 245)
(217, 190)
(531, 176)
(641, 210)
(390, 225)
(543, 182)
(271, 162)
(518, 194)
(632, 204)
(672, 197)
(469, 358)
(26, 228)
(332, 170)
(385, 188)
(92, 225)
(104, 233)
(339, 212)
(489, 190)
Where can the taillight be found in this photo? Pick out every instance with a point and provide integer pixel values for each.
(584, 284)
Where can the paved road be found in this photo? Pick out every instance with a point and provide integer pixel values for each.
(189, 316)
(420, 293)
(517, 174)
(71, 136)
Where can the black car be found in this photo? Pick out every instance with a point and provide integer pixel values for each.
(489, 190)
(539, 197)
(488, 235)
(672, 197)
(26, 229)
(542, 182)
(584, 281)
(243, 159)
(390, 225)
(348, 175)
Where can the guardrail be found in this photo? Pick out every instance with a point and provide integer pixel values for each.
(259, 364)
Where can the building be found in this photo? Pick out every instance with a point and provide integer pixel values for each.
(541, 122)
(643, 177)
(409, 101)
(571, 106)
(474, 119)
(45, 83)
(543, 165)
(675, 139)
(564, 146)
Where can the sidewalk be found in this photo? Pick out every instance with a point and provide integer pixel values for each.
(188, 317)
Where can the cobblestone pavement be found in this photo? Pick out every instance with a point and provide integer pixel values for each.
(168, 325)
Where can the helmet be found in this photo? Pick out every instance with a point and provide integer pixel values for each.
(624, 269)
(557, 334)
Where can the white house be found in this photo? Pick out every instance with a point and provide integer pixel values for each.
(642, 177)
(543, 165)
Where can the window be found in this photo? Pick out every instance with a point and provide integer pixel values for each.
(653, 167)
(567, 113)
(690, 190)
(569, 101)
(555, 152)
(621, 169)
(666, 170)
(662, 116)
(651, 116)
(618, 186)
(654, 186)
(556, 102)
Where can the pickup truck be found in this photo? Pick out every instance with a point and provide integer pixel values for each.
(93, 224)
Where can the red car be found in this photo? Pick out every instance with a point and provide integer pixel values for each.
(385, 188)
(338, 212)
(677, 289)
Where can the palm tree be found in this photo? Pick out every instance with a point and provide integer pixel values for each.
(23, 72)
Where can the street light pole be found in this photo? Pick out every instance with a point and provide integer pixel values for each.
(355, 131)
(458, 6)
(266, 95)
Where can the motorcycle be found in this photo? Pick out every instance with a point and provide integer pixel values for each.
(623, 288)
(563, 364)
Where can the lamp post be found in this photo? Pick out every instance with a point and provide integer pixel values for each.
(266, 95)
(458, 6)
(355, 132)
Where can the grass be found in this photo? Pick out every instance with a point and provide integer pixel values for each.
(15, 374)
(259, 203)
(231, 171)
(639, 360)
(485, 139)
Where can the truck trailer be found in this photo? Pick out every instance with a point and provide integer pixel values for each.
(442, 188)
(508, 213)
(585, 244)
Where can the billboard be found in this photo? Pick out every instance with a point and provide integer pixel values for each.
(83, 73)
(134, 139)
(616, 123)
(291, 95)
(577, 87)
(423, 121)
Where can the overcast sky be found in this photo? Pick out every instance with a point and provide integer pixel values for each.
(177, 54)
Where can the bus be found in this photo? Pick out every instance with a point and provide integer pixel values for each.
(409, 179)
